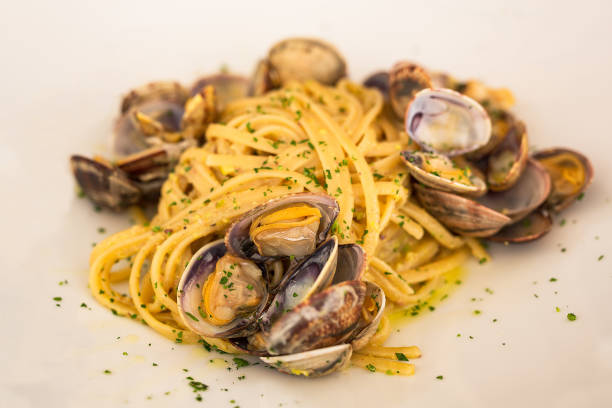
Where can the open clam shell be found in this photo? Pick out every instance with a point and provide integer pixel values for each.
(405, 81)
(260, 82)
(446, 122)
(527, 194)
(380, 81)
(534, 226)
(442, 173)
(104, 185)
(571, 173)
(461, 214)
(228, 87)
(190, 299)
(325, 319)
(128, 139)
(303, 59)
(351, 263)
(508, 160)
(240, 243)
(313, 274)
(314, 363)
(169, 91)
(373, 310)
(502, 122)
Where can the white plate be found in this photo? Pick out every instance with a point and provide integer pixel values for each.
(64, 66)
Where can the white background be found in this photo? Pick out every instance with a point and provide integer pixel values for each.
(63, 67)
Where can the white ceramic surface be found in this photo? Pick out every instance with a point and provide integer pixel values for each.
(65, 64)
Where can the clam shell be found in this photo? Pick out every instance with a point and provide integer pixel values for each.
(313, 363)
(260, 82)
(502, 123)
(527, 194)
(106, 186)
(416, 161)
(366, 330)
(351, 263)
(534, 226)
(189, 296)
(169, 91)
(405, 81)
(508, 160)
(325, 319)
(312, 275)
(303, 59)
(228, 87)
(239, 242)
(128, 140)
(461, 214)
(432, 111)
(380, 81)
(559, 200)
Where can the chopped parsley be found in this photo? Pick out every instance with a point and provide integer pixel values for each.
(240, 362)
(401, 356)
(371, 368)
(571, 317)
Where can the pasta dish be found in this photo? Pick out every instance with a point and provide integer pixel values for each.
(292, 221)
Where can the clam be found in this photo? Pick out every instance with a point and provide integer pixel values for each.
(442, 173)
(405, 81)
(326, 318)
(506, 163)
(129, 136)
(527, 194)
(380, 81)
(532, 227)
(221, 295)
(502, 122)
(260, 81)
(289, 226)
(351, 263)
(305, 279)
(372, 312)
(461, 214)
(446, 122)
(314, 363)
(303, 59)
(570, 172)
(155, 162)
(488, 214)
(228, 87)
(103, 184)
(155, 91)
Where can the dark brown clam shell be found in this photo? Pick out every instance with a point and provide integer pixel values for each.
(380, 81)
(105, 186)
